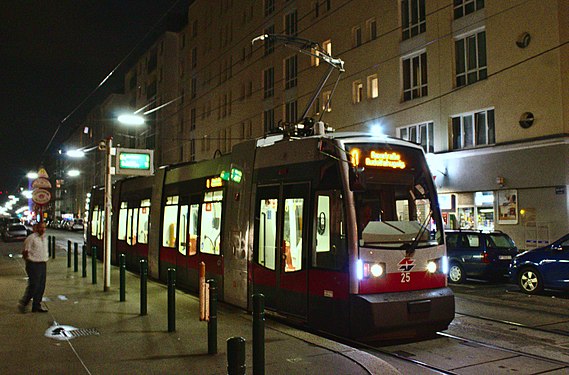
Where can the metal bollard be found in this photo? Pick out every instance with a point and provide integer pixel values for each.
(122, 261)
(236, 356)
(212, 323)
(75, 257)
(48, 246)
(143, 277)
(258, 334)
(171, 299)
(84, 260)
(53, 247)
(68, 254)
(94, 264)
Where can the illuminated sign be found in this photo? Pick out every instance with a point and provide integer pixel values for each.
(213, 182)
(131, 161)
(234, 175)
(385, 159)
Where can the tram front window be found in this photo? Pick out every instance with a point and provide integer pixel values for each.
(397, 215)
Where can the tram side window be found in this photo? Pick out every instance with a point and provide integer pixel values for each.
(95, 221)
(267, 233)
(122, 221)
(101, 226)
(169, 225)
(183, 230)
(330, 251)
(292, 234)
(131, 229)
(211, 223)
(143, 220)
(193, 229)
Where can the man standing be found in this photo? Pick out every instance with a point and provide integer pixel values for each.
(36, 255)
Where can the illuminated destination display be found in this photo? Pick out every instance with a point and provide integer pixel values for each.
(213, 182)
(379, 159)
(134, 161)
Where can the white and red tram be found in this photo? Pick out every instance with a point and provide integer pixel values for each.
(341, 231)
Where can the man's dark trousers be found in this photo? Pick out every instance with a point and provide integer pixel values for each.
(37, 272)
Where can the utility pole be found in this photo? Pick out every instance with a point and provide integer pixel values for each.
(108, 208)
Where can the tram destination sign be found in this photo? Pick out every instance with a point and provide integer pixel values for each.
(134, 162)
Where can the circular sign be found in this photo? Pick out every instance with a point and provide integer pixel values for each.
(41, 196)
(41, 183)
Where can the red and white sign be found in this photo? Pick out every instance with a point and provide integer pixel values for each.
(41, 197)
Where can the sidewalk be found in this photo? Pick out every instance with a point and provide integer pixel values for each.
(128, 343)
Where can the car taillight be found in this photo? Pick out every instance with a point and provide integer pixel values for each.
(485, 258)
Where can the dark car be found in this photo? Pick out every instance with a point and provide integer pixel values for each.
(15, 232)
(478, 254)
(544, 267)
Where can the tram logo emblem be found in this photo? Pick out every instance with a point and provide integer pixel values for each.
(406, 264)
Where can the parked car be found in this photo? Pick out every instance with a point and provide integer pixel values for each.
(76, 225)
(544, 267)
(478, 254)
(14, 232)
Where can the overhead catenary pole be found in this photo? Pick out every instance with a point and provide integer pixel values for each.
(108, 206)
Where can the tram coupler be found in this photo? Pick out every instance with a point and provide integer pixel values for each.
(171, 299)
(236, 356)
(68, 253)
(84, 260)
(94, 264)
(258, 334)
(143, 279)
(212, 323)
(122, 278)
(75, 257)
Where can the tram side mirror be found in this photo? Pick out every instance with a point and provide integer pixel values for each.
(215, 223)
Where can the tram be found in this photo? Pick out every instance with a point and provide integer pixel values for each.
(340, 231)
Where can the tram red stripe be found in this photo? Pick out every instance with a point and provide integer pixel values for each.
(398, 282)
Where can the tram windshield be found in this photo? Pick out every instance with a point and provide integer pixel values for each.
(395, 198)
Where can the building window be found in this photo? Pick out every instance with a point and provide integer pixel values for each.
(291, 111)
(372, 86)
(291, 72)
(413, 18)
(371, 25)
(194, 57)
(269, 44)
(465, 7)
(415, 76)
(471, 59)
(419, 133)
(317, 8)
(268, 82)
(358, 91)
(269, 7)
(269, 120)
(473, 129)
(357, 36)
(194, 87)
(193, 119)
(291, 23)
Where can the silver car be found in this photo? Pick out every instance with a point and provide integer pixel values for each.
(15, 232)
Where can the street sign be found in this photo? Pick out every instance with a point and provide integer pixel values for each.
(134, 162)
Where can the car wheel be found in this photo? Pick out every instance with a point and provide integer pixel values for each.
(529, 281)
(456, 273)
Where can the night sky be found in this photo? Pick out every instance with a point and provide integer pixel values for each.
(53, 54)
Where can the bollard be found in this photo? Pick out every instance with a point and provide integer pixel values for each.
(48, 246)
(94, 264)
(75, 257)
(171, 299)
(122, 261)
(53, 247)
(236, 356)
(258, 334)
(212, 323)
(68, 254)
(143, 277)
(84, 260)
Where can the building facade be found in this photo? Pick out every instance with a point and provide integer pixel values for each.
(482, 85)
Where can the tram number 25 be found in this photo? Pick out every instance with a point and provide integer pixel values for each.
(405, 277)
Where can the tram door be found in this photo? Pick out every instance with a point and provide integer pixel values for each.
(281, 246)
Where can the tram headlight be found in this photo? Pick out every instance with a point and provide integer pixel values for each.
(369, 270)
(431, 266)
(439, 265)
(376, 270)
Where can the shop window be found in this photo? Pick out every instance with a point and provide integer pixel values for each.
(292, 234)
(122, 221)
(330, 251)
(210, 239)
(182, 230)
(143, 221)
(266, 255)
(169, 224)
